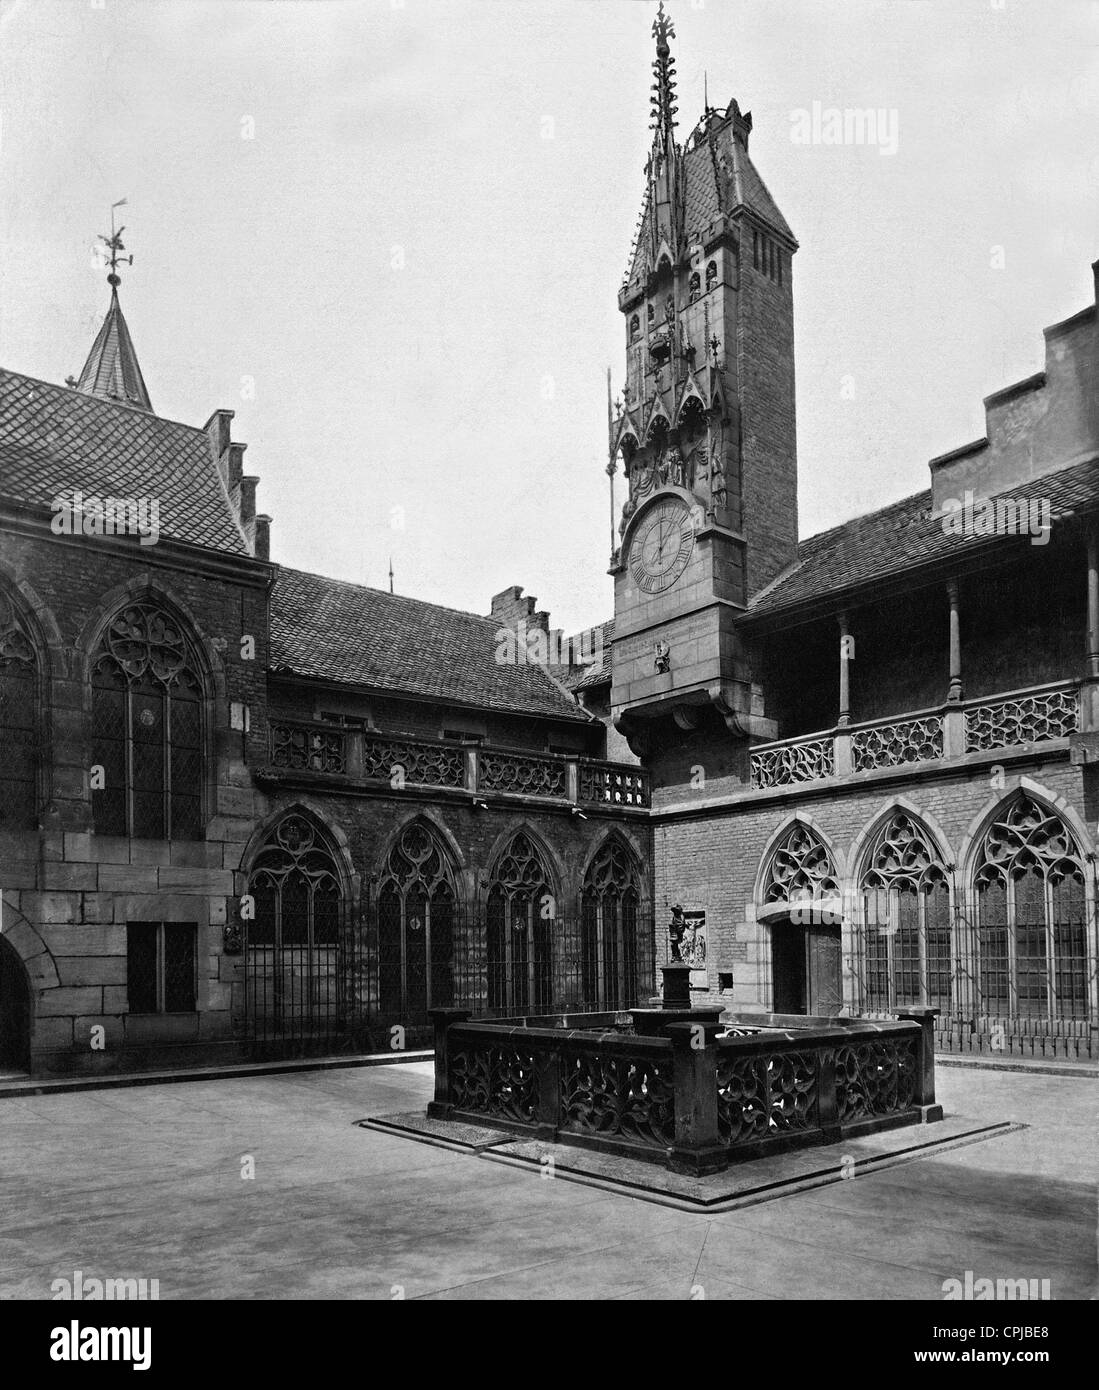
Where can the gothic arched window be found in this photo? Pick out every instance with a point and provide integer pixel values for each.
(650, 315)
(635, 328)
(694, 286)
(801, 867)
(1031, 923)
(711, 275)
(906, 912)
(293, 938)
(522, 910)
(416, 909)
(18, 721)
(147, 728)
(609, 912)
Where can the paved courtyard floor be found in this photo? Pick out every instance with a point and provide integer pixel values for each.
(147, 1182)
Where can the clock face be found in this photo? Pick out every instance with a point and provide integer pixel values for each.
(661, 546)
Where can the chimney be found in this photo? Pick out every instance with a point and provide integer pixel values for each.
(218, 429)
(262, 549)
(236, 465)
(509, 608)
(248, 485)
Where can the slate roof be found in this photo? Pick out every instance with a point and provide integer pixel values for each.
(903, 537)
(55, 440)
(718, 176)
(112, 371)
(332, 630)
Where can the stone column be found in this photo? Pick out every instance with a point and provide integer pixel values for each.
(440, 1107)
(1093, 606)
(845, 679)
(954, 694)
(698, 1148)
(925, 1059)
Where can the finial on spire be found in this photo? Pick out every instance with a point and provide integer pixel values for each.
(663, 99)
(114, 246)
(391, 574)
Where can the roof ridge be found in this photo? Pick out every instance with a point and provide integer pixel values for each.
(102, 400)
(384, 593)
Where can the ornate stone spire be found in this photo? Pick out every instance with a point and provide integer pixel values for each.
(111, 371)
(663, 90)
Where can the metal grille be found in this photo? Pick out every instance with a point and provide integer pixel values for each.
(160, 967)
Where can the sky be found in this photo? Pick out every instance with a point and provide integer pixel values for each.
(390, 237)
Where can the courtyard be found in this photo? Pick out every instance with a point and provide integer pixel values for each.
(264, 1187)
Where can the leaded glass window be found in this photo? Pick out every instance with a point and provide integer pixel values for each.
(18, 721)
(416, 910)
(609, 914)
(147, 728)
(521, 914)
(293, 935)
(1031, 905)
(906, 914)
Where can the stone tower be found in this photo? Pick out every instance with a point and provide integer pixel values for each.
(706, 428)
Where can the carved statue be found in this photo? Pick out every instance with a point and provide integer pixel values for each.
(669, 308)
(677, 929)
(663, 655)
(628, 509)
(677, 471)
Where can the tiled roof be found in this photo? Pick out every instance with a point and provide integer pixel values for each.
(718, 176)
(333, 630)
(599, 673)
(55, 440)
(902, 537)
(112, 371)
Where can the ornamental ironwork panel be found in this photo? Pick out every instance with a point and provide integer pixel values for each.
(613, 784)
(762, 1097)
(793, 762)
(406, 761)
(875, 1078)
(523, 774)
(416, 911)
(890, 745)
(617, 1096)
(498, 1081)
(1025, 719)
(304, 747)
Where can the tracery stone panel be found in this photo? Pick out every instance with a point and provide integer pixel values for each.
(418, 764)
(1025, 719)
(801, 866)
(631, 1098)
(804, 761)
(523, 774)
(904, 741)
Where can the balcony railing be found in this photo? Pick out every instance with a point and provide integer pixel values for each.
(370, 757)
(1016, 719)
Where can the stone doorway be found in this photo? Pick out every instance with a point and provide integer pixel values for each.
(15, 1012)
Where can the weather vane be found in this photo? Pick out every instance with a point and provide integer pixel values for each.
(114, 245)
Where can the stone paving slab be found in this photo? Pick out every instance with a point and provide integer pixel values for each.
(741, 1184)
(147, 1182)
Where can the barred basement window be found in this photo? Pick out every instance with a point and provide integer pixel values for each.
(160, 967)
(1031, 904)
(416, 909)
(906, 912)
(18, 721)
(147, 728)
(608, 928)
(520, 922)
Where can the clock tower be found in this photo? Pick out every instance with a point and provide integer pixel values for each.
(705, 429)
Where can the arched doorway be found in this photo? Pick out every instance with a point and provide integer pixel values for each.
(15, 1012)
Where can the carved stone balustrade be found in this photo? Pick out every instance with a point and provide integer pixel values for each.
(1016, 720)
(370, 757)
(694, 1098)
